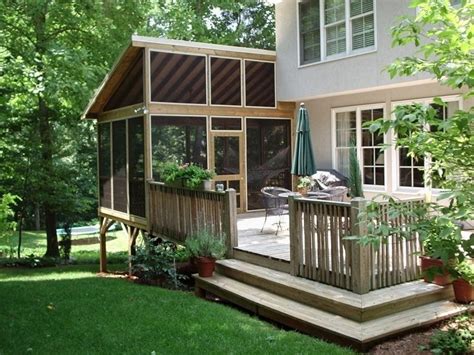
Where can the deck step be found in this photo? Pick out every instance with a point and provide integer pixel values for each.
(332, 299)
(262, 260)
(321, 323)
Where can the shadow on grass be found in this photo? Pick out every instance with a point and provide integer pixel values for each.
(72, 311)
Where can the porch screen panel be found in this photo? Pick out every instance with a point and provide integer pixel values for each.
(136, 166)
(268, 157)
(119, 165)
(259, 84)
(178, 139)
(225, 82)
(130, 90)
(105, 173)
(178, 78)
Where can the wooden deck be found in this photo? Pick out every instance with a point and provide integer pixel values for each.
(266, 243)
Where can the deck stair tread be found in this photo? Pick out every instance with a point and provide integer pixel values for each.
(267, 303)
(318, 294)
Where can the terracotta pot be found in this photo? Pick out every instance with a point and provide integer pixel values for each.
(428, 263)
(303, 190)
(206, 266)
(463, 291)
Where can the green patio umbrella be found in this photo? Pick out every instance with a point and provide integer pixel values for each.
(303, 159)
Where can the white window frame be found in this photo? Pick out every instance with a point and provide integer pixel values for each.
(358, 109)
(348, 24)
(394, 152)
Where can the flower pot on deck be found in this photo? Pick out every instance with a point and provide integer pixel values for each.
(463, 291)
(436, 268)
(206, 185)
(206, 266)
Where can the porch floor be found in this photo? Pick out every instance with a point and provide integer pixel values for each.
(251, 239)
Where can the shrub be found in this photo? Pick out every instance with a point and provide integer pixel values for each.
(154, 262)
(458, 339)
(191, 175)
(205, 244)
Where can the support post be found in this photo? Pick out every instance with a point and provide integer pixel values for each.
(229, 222)
(102, 237)
(294, 257)
(360, 254)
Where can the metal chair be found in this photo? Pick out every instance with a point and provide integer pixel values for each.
(274, 204)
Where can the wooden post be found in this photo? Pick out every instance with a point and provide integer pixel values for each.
(102, 237)
(294, 257)
(229, 221)
(360, 254)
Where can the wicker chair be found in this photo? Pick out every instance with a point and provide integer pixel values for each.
(274, 204)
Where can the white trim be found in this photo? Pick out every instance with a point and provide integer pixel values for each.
(182, 53)
(226, 130)
(396, 158)
(274, 84)
(199, 45)
(349, 52)
(241, 82)
(358, 109)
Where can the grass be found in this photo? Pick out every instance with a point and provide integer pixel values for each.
(68, 310)
(34, 242)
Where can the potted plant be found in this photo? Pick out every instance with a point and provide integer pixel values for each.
(463, 283)
(442, 246)
(304, 184)
(205, 247)
(186, 175)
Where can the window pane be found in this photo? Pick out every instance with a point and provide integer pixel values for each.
(119, 165)
(336, 39)
(136, 166)
(226, 123)
(363, 32)
(368, 156)
(379, 176)
(334, 10)
(345, 128)
(259, 84)
(178, 139)
(178, 78)
(105, 176)
(418, 178)
(225, 81)
(310, 34)
(227, 155)
(369, 176)
(359, 7)
(268, 157)
(342, 160)
(405, 177)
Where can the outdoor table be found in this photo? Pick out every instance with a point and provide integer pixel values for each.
(288, 194)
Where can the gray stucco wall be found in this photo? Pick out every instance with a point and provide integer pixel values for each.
(352, 73)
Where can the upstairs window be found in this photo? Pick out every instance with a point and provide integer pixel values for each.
(334, 28)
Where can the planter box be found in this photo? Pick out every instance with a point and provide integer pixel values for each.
(428, 263)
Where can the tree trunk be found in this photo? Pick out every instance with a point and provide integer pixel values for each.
(37, 217)
(52, 247)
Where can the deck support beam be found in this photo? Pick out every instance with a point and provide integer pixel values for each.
(105, 224)
(230, 222)
(360, 253)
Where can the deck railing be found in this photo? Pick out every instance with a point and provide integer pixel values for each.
(177, 212)
(319, 250)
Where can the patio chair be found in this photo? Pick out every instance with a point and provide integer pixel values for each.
(274, 204)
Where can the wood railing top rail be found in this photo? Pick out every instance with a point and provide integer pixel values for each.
(322, 202)
(211, 192)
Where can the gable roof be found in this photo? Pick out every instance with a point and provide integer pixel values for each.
(131, 53)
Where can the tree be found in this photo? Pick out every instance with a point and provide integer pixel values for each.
(52, 55)
(444, 38)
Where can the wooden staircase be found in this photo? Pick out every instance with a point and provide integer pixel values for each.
(328, 312)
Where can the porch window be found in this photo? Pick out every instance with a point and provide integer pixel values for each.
(105, 172)
(329, 28)
(119, 165)
(259, 84)
(136, 166)
(411, 169)
(179, 139)
(226, 82)
(350, 132)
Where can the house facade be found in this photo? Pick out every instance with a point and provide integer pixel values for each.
(332, 55)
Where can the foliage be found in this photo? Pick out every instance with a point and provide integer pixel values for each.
(205, 244)
(248, 23)
(355, 178)
(465, 270)
(444, 38)
(191, 175)
(458, 339)
(157, 262)
(65, 243)
(30, 261)
(305, 182)
(64, 303)
(7, 226)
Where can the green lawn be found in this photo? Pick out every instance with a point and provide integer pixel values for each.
(68, 310)
(35, 243)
